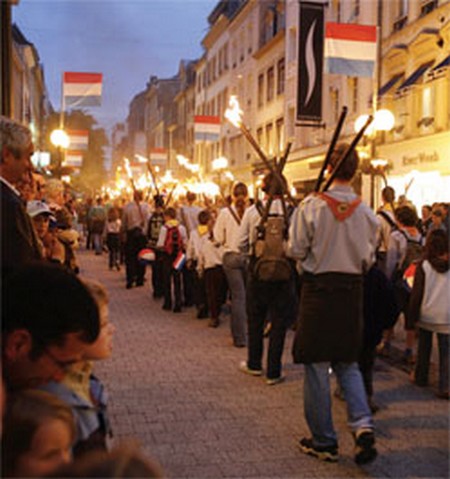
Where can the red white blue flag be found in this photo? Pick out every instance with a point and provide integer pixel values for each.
(206, 128)
(79, 139)
(179, 261)
(82, 89)
(73, 158)
(350, 49)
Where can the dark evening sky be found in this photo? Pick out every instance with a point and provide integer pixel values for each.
(126, 40)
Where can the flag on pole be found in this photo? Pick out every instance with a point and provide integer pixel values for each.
(350, 49)
(206, 128)
(82, 89)
(73, 158)
(158, 155)
(79, 139)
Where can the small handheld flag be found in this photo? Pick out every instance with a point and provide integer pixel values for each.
(179, 261)
(82, 89)
(350, 49)
(146, 256)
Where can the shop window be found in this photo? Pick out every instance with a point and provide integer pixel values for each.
(279, 135)
(269, 139)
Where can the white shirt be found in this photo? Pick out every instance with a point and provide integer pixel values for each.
(163, 234)
(210, 253)
(226, 230)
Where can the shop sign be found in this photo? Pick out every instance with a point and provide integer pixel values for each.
(420, 158)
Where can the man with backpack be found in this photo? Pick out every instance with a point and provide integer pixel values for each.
(172, 244)
(270, 279)
(385, 215)
(405, 249)
(155, 224)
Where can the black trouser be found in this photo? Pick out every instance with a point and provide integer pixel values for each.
(188, 286)
(135, 271)
(276, 298)
(216, 290)
(113, 244)
(170, 273)
(157, 275)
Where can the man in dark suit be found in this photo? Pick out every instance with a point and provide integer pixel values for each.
(19, 243)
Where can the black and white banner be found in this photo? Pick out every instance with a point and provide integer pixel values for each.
(310, 62)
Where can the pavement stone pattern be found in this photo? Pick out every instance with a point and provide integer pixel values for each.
(175, 387)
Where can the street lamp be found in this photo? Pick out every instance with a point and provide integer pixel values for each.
(383, 121)
(61, 140)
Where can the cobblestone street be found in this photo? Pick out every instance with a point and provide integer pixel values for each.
(174, 385)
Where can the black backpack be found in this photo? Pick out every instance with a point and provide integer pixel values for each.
(155, 224)
(414, 253)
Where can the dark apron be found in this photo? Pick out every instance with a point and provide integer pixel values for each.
(331, 318)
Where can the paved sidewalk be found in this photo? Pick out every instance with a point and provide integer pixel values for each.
(175, 386)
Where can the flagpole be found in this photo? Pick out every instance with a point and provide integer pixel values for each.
(63, 105)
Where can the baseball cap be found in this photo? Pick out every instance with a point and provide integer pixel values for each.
(36, 207)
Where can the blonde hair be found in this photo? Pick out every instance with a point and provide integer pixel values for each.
(26, 412)
(53, 188)
(97, 290)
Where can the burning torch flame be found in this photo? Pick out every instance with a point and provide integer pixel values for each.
(126, 162)
(234, 113)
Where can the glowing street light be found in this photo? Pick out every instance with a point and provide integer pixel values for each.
(60, 138)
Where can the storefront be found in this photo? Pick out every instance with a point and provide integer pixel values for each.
(420, 168)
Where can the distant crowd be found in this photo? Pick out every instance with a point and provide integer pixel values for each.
(328, 267)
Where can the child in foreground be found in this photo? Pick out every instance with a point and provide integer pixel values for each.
(37, 436)
(82, 390)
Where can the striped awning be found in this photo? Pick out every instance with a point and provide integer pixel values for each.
(416, 76)
(389, 84)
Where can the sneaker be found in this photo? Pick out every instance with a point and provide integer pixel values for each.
(245, 369)
(365, 451)
(273, 381)
(324, 453)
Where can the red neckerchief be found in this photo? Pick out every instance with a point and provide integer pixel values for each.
(340, 209)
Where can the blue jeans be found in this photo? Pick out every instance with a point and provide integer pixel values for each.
(317, 400)
(234, 266)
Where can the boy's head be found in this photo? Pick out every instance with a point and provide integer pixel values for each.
(388, 194)
(406, 216)
(170, 213)
(203, 217)
(38, 434)
(272, 183)
(49, 317)
(436, 245)
(101, 348)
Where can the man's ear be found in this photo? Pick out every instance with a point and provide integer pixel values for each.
(18, 344)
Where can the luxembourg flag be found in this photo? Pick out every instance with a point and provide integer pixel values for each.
(179, 261)
(350, 49)
(73, 158)
(206, 128)
(82, 89)
(158, 155)
(79, 139)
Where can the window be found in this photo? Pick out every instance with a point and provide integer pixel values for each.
(403, 8)
(250, 38)
(427, 106)
(269, 139)
(280, 76)
(259, 136)
(234, 55)
(225, 57)
(279, 135)
(270, 83)
(354, 93)
(356, 8)
(334, 97)
(260, 90)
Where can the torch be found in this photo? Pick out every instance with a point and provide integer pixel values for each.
(234, 115)
(129, 173)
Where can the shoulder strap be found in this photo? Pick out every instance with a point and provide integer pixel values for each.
(340, 209)
(387, 217)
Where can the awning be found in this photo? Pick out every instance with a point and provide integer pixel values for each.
(444, 63)
(389, 84)
(416, 76)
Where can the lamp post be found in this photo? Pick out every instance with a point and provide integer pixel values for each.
(383, 121)
(61, 140)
